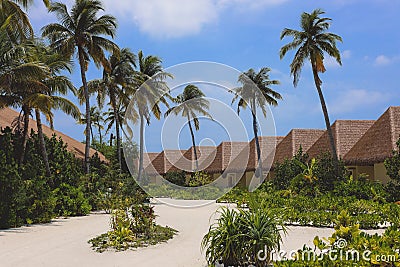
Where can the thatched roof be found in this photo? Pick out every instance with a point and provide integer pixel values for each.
(378, 142)
(268, 146)
(295, 139)
(8, 115)
(346, 134)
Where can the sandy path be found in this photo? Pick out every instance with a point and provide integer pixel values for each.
(63, 243)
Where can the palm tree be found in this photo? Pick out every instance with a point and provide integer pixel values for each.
(152, 89)
(15, 21)
(115, 84)
(45, 101)
(82, 31)
(311, 44)
(95, 118)
(256, 93)
(20, 78)
(191, 103)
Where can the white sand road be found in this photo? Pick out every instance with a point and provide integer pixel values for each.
(63, 243)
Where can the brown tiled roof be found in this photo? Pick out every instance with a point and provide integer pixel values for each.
(346, 134)
(378, 142)
(235, 156)
(289, 146)
(175, 161)
(8, 115)
(268, 146)
(205, 155)
(153, 163)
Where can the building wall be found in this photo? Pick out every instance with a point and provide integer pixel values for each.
(380, 173)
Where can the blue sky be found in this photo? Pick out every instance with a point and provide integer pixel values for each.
(245, 34)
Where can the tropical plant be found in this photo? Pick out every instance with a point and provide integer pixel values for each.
(116, 85)
(15, 21)
(82, 31)
(132, 227)
(311, 42)
(238, 236)
(49, 98)
(255, 92)
(190, 104)
(392, 164)
(96, 118)
(151, 91)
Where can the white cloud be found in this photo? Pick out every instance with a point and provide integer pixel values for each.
(248, 4)
(177, 18)
(382, 60)
(356, 99)
(160, 18)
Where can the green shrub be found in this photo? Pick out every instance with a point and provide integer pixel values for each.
(330, 253)
(362, 189)
(132, 227)
(199, 179)
(326, 172)
(392, 164)
(11, 192)
(288, 170)
(177, 178)
(70, 201)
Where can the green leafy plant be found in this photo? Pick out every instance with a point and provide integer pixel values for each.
(239, 235)
(132, 227)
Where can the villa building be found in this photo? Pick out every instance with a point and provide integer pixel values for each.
(378, 143)
(362, 144)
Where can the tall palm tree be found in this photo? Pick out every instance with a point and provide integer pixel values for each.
(311, 42)
(47, 100)
(82, 31)
(191, 103)
(115, 84)
(255, 92)
(152, 90)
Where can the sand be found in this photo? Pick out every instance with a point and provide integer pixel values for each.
(64, 241)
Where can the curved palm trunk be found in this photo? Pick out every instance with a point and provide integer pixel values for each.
(255, 130)
(43, 149)
(141, 145)
(317, 82)
(87, 102)
(194, 144)
(25, 133)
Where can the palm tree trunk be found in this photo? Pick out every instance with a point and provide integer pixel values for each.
(258, 171)
(100, 136)
(141, 146)
(91, 133)
(42, 143)
(194, 144)
(326, 116)
(86, 93)
(117, 129)
(25, 133)
(118, 136)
